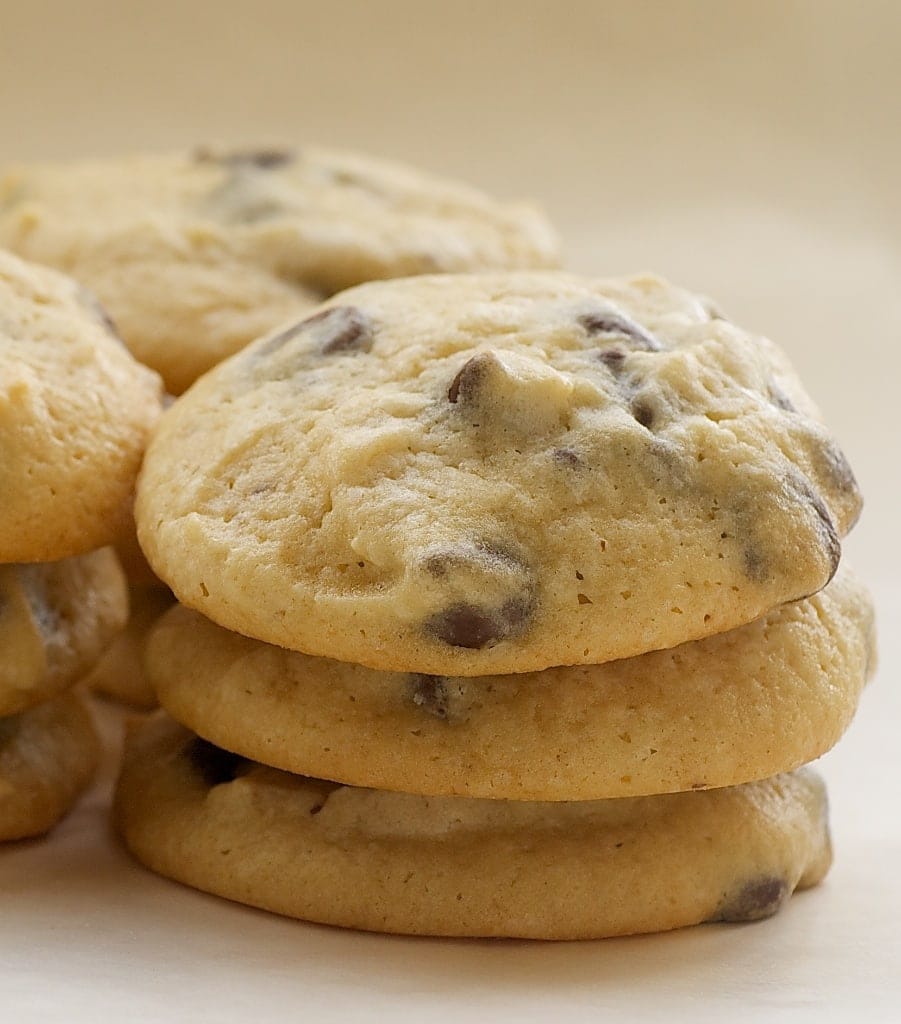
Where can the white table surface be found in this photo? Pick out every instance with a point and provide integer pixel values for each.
(748, 149)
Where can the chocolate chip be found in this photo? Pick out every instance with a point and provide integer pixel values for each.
(566, 457)
(90, 300)
(643, 413)
(337, 330)
(469, 378)
(756, 565)
(840, 474)
(779, 398)
(828, 533)
(755, 901)
(613, 358)
(214, 765)
(469, 626)
(437, 562)
(263, 159)
(606, 322)
(430, 694)
(343, 329)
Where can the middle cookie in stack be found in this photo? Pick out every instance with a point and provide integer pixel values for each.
(450, 478)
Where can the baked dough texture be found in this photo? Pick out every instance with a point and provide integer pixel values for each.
(48, 755)
(56, 619)
(396, 862)
(762, 699)
(480, 474)
(197, 254)
(75, 413)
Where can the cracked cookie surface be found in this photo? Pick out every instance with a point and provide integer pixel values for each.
(395, 862)
(498, 473)
(197, 254)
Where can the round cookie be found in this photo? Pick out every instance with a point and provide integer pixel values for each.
(56, 619)
(75, 412)
(762, 699)
(394, 862)
(120, 672)
(197, 254)
(469, 475)
(47, 759)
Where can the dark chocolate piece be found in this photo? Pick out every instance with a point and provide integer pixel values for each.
(605, 322)
(754, 901)
(214, 765)
(469, 626)
(430, 694)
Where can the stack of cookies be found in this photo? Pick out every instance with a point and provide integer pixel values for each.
(509, 607)
(75, 412)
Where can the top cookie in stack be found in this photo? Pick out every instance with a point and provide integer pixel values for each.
(195, 255)
(486, 474)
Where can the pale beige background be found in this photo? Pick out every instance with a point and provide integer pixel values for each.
(748, 149)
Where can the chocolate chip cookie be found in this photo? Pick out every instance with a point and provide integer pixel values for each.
(197, 254)
(395, 862)
(470, 475)
(744, 705)
(75, 412)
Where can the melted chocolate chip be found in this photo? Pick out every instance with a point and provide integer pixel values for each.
(642, 412)
(342, 329)
(755, 901)
(566, 457)
(613, 358)
(430, 694)
(829, 537)
(469, 626)
(756, 565)
(840, 474)
(337, 330)
(214, 765)
(469, 378)
(437, 563)
(90, 300)
(605, 322)
(779, 398)
(831, 541)
(263, 159)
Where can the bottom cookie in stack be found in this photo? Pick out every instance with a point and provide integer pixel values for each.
(502, 817)
(398, 862)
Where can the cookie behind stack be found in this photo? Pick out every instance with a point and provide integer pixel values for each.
(452, 479)
(75, 411)
(197, 254)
